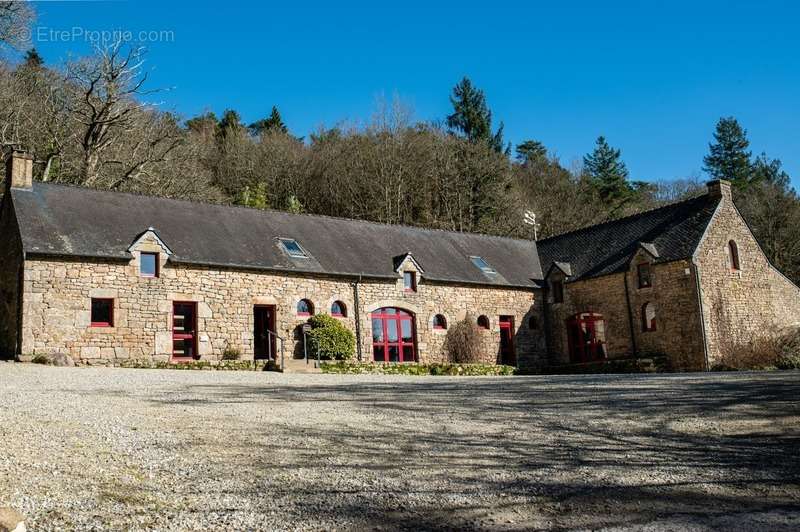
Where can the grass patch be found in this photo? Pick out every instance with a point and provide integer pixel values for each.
(466, 370)
(199, 365)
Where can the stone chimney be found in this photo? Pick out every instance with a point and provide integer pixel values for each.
(19, 170)
(720, 188)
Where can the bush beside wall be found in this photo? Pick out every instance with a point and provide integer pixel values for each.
(331, 338)
(471, 370)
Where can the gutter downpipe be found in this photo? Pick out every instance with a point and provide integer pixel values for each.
(630, 316)
(546, 324)
(357, 316)
(702, 313)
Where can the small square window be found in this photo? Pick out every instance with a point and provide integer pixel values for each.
(410, 281)
(148, 264)
(645, 277)
(293, 248)
(102, 312)
(483, 265)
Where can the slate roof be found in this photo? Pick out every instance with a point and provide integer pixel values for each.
(80, 222)
(673, 231)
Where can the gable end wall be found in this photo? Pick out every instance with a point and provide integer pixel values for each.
(739, 307)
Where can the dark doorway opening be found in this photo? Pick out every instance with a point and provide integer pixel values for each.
(264, 340)
(184, 330)
(508, 355)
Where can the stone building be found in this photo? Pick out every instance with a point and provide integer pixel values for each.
(687, 280)
(106, 277)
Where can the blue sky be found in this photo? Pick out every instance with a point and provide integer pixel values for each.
(653, 77)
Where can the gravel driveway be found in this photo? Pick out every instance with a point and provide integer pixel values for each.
(116, 449)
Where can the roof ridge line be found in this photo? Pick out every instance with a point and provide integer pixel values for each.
(278, 211)
(615, 220)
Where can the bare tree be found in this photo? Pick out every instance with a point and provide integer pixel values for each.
(16, 18)
(106, 105)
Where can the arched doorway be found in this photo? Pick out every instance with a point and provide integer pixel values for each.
(394, 335)
(586, 334)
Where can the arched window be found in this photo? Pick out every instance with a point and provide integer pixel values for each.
(393, 335)
(483, 322)
(586, 337)
(305, 307)
(439, 322)
(338, 309)
(733, 256)
(648, 317)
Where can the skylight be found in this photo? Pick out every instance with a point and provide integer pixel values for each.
(482, 264)
(293, 248)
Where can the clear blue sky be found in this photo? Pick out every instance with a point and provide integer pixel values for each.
(653, 77)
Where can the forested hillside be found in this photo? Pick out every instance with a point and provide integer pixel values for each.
(91, 122)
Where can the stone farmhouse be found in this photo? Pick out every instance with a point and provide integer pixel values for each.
(106, 277)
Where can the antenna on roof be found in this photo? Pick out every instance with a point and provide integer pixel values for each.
(530, 219)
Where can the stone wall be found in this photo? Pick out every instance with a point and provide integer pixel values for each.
(58, 296)
(740, 306)
(11, 261)
(678, 333)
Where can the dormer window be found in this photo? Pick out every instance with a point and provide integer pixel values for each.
(410, 281)
(645, 279)
(483, 265)
(148, 264)
(293, 249)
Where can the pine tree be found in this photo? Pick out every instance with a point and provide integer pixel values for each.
(230, 124)
(273, 123)
(530, 151)
(728, 157)
(471, 116)
(608, 172)
(766, 170)
(33, 59)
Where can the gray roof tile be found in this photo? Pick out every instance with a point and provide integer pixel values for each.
(73, 221)
(674, 231)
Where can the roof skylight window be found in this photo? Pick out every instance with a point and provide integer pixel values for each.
(293, 248)
(483, 265)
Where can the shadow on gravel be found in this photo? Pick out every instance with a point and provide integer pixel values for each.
(582, 451)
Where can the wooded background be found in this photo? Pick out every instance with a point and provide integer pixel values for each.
(93, 122)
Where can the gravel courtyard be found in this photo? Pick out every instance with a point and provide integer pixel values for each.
(115, 449)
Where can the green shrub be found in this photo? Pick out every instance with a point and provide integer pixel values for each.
(466, 370)
(231, 353)
(330, 338)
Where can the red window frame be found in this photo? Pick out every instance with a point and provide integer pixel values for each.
(733, 256)
(584, 344)
(410, 281)
(310, 306)
(110, 302)
(645, 275)
(342, 312)
(183, 335)
(389, 317)
(651, 326)
(439, 322)
(157, 258)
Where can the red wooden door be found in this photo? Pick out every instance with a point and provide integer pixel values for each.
(264, 343)
(508, 355)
